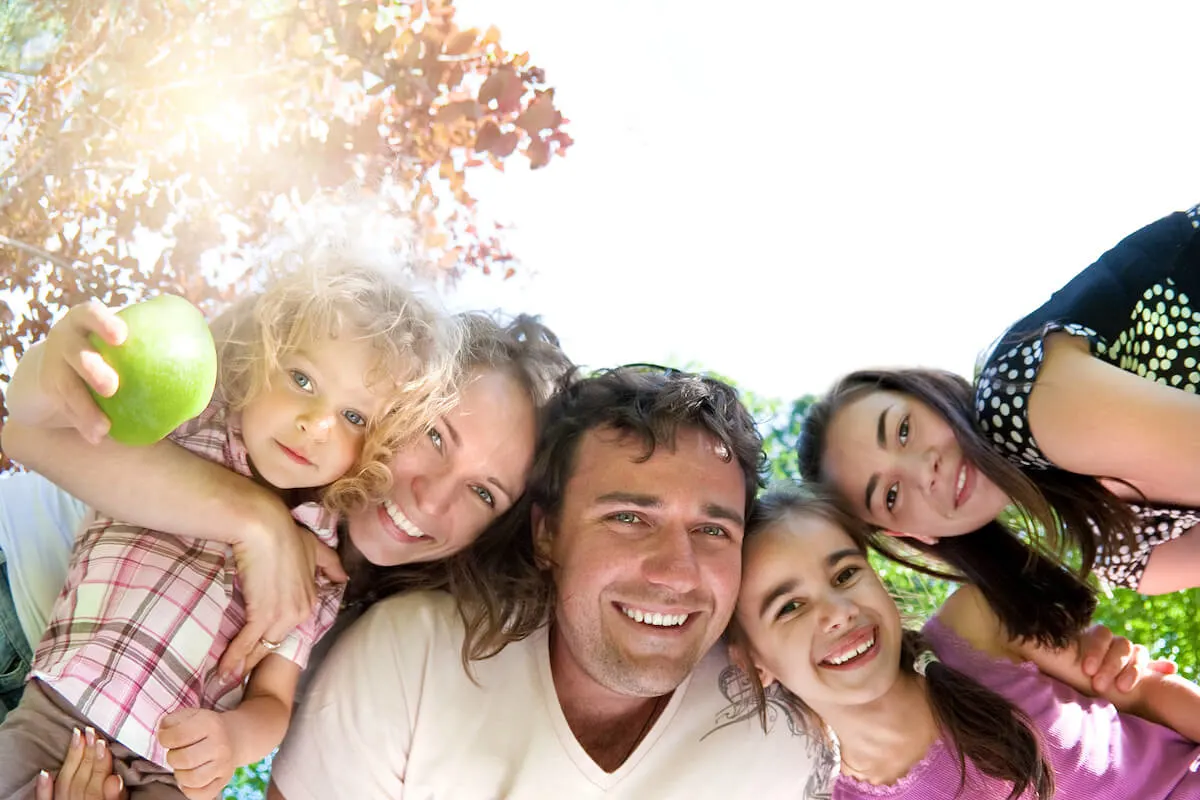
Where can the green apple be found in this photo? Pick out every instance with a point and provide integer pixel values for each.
(167, 368)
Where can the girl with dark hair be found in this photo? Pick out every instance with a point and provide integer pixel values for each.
(959, 709)
(1081, 417)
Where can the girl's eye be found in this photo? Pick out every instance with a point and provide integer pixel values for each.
(787, 608)
(902, 431)
(484, 495)
(436, 439)
(890, 498)
(301, 380)
(845, 576)
(354, 418)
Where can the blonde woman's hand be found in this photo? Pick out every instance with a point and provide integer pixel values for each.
(277, 563)
(86, 773)
(50, 386)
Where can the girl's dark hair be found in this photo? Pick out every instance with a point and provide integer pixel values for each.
(1026, 582)
(980, 725)
(481, 576)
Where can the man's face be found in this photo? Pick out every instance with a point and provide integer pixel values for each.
(646, 557)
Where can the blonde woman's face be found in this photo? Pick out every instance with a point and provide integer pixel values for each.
(899, 465)
(306, 428)
(453, 483)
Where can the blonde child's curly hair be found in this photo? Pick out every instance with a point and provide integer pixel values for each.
(331, 294)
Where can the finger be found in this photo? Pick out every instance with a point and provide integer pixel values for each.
(201, 778)
(1132, 672)
(236, 661)
(186, 760)
(181, 729)
(114, 788)
(82, 412)
(1162, 666)
(208, 791)
(79, 781)
(329, 564)
(95, 317)
(43, 788)
(101, 769)
(70, 763)
(96, 372)
(1095, 642)
(1120, 653)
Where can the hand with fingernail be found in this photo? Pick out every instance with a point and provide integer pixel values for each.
(50, 385)
(86, 773)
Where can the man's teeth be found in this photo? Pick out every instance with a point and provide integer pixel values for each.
(402, 522)
(661, 620)
(858, 651)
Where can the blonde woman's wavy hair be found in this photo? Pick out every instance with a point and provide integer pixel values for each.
(334, 292)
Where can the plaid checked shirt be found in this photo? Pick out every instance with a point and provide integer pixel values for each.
(145, 616)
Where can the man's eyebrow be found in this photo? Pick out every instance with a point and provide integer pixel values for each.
(721, 512)
(633, 498)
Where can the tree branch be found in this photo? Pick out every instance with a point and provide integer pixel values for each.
(34, 251)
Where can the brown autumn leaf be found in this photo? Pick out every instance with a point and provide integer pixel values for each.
(461, 42)
(540, 115)
(506, 144)
(538, 153)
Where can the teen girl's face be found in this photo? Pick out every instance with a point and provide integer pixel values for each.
(816, 616)
(901, 468)
(446, 489)
(306, 428)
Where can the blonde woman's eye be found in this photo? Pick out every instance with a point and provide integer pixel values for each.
(436, 439)
(484, 495)
(301, 380)
(902, 431)
(354, 418)
(893, 492)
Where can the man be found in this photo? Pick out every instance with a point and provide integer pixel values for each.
(639, 494)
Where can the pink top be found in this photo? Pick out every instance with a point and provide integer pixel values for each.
(1096, 752)
(145, 616)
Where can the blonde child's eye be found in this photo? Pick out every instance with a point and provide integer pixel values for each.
(301, 380)
(354, 418)
(436, 439)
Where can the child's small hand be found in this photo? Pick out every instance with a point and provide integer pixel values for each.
(200, 750)
(69, 364)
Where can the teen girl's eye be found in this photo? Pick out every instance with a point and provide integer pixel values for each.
(790, 607)
(902, 431)
(301, 380)
(484, 495)
(846, 575)
(354, 418)
(893, 493)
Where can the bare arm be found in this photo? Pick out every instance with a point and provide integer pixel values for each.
(1166, 699)
(1094, 418)
(164, 487)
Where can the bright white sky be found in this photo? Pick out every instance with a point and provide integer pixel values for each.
(784, 191)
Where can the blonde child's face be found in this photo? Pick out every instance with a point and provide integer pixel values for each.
(816, 615)
(306, 429)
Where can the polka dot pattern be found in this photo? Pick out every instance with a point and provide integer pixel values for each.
(1162, 343)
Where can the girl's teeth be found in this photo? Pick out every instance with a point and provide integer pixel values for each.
(659, 620)
(858, 651)
(962, 478)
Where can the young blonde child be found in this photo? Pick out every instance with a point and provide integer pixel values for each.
(322, 375)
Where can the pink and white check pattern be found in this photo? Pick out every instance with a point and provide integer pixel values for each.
(145, 616)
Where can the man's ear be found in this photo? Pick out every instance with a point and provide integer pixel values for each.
(543, 539)
(929, 540)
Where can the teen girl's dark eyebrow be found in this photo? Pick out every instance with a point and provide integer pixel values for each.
(781, 590)
(834, 558)
(881, 437)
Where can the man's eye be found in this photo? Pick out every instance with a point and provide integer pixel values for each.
(626, 518)
(301, 380)
(484, 495)
(714, 531)
(890, 498)
(902, 431)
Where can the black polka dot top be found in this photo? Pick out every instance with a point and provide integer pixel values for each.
(1138, 307)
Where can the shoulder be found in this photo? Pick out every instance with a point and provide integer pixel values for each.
(968, 616)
